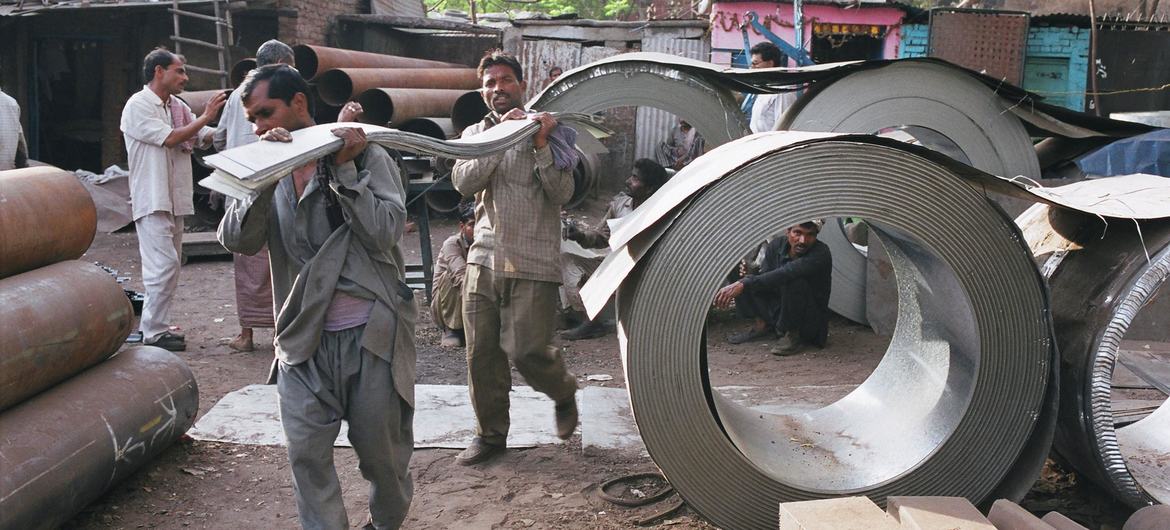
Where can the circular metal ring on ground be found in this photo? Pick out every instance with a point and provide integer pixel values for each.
(948, 411)
(709, 108)
(1093, 312)
(942, 107)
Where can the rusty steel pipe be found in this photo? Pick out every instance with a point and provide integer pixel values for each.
(240, 70)
(312, 61)
(64, 448)
(467, 110)
(47, 216)
(56, 321)
(438, 128)
(399, 105)
(339, 85)
(198, 99)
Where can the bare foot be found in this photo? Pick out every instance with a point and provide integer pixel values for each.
(242, 344)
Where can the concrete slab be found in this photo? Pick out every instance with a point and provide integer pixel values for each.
(607, 424)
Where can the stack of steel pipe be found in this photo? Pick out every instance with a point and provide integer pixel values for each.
(60, 320)
(896, 434)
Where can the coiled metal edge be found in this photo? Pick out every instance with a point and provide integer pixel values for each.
(951, 407)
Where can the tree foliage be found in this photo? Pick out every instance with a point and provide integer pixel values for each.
(592, 9)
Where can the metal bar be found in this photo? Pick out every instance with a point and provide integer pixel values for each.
(178, 44)
(196, 42)
(200, 16)
(206, 70)
(219, 23)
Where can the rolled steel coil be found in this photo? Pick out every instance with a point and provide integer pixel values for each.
(381, 106)
(56, 321)
(585, 177)
(704, 103)
(312, 61)
(1098, 288)
(47, 217)
(67, 446)
(342, 84)
(953, 407)
(941, 107)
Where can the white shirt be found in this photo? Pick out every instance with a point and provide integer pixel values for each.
(234, 128)
(768, 109)
(160, 177)
(11, 135)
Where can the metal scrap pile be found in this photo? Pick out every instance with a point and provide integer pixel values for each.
(990, 358)
(75, 420)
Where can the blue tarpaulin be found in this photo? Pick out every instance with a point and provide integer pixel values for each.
(1147, 153)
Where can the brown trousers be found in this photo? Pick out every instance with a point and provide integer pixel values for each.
(447, 304)
(509, 319)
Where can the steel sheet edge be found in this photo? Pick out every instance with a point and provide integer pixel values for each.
(64, 448)
(986, 333)
(1092, 312)
(47, 216)
(56, 321)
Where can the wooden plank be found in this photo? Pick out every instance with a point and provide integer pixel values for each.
(931, 513)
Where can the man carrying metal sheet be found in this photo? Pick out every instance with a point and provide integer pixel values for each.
(345, 332)
(789, 296)
(510, 288)
(160, 132)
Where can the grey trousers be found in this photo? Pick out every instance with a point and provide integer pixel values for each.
(344, 381)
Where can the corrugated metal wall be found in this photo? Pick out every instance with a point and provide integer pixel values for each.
(654, 125)
(401, 8)
(540, 55)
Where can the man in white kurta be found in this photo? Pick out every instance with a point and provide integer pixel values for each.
(768, 108)
(160, 132)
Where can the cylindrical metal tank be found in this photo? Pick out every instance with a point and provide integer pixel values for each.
(47, 216)
(339, 85)
(397, 105)
(64, 448)
(56, 321)
(312, 61)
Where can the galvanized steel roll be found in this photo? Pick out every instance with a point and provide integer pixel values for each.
(67, 446)
(56, 321)
(1098, 286)
(47, 217)
(339, 85)
(949, 410)
(312, 61)
(943, 108)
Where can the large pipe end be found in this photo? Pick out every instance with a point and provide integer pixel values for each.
(241, 69)
(468, 110)
(377, 107)
(335, 87)
(306, 58)
(437, 128)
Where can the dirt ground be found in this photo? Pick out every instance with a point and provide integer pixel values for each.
(224, 486)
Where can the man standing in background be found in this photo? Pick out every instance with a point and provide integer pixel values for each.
(160, 132)
(13, 149)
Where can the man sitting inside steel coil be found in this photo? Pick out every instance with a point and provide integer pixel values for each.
(577, 265)
(790, 294)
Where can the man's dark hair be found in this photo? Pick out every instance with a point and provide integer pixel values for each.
(768, 52)
(651, 173)
(158, 57)
(466, 213)
(555, 69)
(284, 82)
(494, 57)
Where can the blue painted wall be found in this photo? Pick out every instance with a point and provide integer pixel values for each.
(1056, 62)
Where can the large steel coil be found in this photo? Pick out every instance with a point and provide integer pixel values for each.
(47, 216)
(943, 109)
(56, 321)
(342, 84)
(398, 105)
(1099, 285)
(312, 61)
(64, 448)
(953, 407)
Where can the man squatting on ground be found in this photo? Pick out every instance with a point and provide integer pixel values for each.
(160, 131)
(790, 295)
(450, 268)
(510, 288)
(645, 179)
(345, 332)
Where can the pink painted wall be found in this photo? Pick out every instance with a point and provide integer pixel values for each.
(726, 17)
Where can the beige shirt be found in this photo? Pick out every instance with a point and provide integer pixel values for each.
(160, 177)
(11, 134)
(452, 259)
(518, 198)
